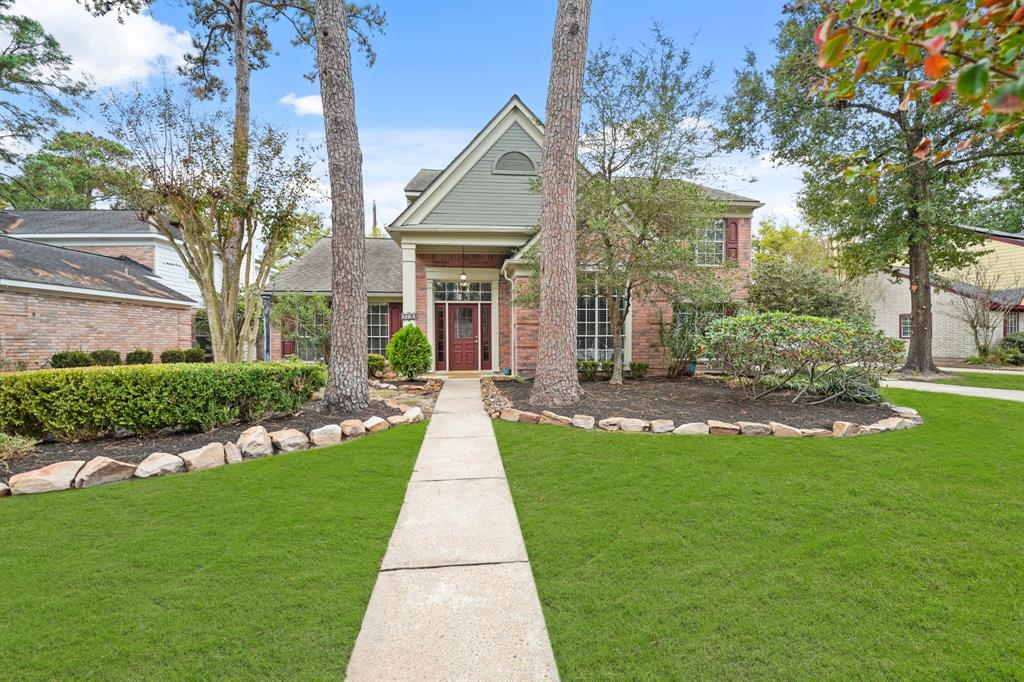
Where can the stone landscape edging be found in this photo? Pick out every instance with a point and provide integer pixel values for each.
(75, 474)
(498, 406)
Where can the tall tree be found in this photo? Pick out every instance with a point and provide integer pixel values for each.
(241, 30)
(347, 370)
(779, 240)
(181, 170)
(35, 81)
(911, 217)
(646, 139)
(556, 381)
(72, 171)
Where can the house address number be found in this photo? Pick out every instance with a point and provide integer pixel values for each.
(408, 317)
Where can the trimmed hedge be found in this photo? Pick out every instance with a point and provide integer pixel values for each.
(169, 357)
(376, 364)
(88, 402)
(71, 358)
(139, 357)
(105, 357)
(195, 354)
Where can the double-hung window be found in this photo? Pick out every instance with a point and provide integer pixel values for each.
(905, 326)
(710, 248)
(1012, 322)
(377, 327)
(593, 325)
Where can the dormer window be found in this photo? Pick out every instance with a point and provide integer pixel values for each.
(514, 163)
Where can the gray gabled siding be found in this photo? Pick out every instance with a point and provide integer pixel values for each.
(485, 198)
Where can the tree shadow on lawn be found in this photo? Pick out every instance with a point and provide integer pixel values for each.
(893, 556)
(257, 570)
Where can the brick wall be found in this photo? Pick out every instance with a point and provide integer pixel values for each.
(34, 326)
(140, 254)
(525, 332)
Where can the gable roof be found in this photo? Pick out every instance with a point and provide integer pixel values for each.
(514, 111)
(94, 221)
(25, 262)
(311, 272)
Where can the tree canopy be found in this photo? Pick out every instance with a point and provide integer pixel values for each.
(35, 79)
(72, 171)
(913, 217)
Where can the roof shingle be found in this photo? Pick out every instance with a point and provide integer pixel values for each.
(311, 272)
(96, 221)
(22, 260)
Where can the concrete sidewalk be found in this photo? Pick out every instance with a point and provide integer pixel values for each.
(975, 370)
(455, 596)
(972, 391)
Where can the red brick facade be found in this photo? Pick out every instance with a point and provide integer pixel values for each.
(139, 254)
(520, 322)
(35, 326)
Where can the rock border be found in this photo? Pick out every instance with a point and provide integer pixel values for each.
(253, 443)
(500, 407)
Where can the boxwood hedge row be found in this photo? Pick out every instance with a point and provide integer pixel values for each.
(87, 402)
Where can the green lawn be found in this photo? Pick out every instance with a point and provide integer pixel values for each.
(254, 571)
(895, 556)
(1011, 381)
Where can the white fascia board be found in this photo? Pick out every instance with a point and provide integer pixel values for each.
(98, 239)
(36, 287)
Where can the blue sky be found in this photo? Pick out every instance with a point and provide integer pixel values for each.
(443, 69)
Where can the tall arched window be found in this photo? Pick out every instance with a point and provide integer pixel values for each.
(514, 163)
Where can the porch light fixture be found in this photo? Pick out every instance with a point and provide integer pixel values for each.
(463, 277)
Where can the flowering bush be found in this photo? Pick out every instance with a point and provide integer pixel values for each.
(771, 351)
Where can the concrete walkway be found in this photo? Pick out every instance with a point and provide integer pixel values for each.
(455, 597)
(972, 391)
(975, 370)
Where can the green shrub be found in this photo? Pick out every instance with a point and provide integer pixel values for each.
(638, 370)
(607, 366)
(90, 401)
(195, 354)
(13, 447)
(105, 357)
(792, 287)
(587, 369)
(1010, 350)
(172, 356)
(779, 350)
(409, 352)
(851, 384)
(975, 360)
(376, 364)
(139, 357)
(71, 358)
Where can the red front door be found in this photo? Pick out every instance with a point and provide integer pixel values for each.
(462, 337)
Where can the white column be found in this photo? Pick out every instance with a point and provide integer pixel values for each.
(409, 284)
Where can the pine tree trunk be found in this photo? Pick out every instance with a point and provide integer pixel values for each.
(347, 387)
(556, 381)
(919, 355)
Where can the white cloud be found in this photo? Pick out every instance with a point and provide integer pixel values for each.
(306, 105)
(111, 53)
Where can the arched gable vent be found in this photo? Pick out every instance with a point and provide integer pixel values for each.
(514, 162)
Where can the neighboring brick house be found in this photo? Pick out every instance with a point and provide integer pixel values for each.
(455, 260)
(54, 299)
(952, 339)
(111, 233)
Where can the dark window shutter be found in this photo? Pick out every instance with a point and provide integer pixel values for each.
(732, 239)
(394, 318)
(287, 347)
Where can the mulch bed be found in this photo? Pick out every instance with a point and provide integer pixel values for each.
(134, 449)
(695, 400)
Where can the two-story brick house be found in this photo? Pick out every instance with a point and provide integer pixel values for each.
(457, 248)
